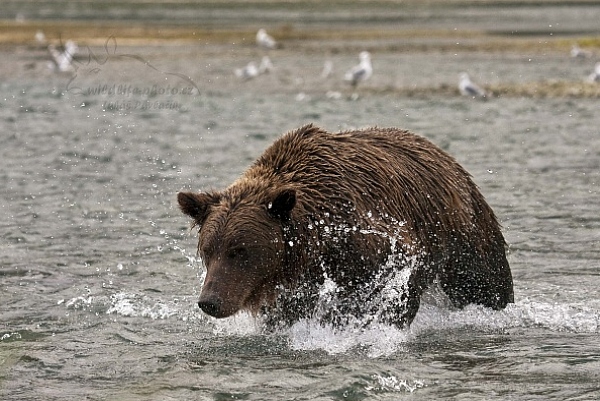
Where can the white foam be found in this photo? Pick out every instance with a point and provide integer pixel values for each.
(376, 339)
(390, 383)
(7, 336)
(379, 339)
(132, 305)
(367, 335)
(126, 304)
(239, 325)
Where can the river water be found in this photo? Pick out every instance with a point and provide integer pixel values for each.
(98, 267)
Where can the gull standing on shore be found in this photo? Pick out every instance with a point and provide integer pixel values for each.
(578, 52)
(595, 76)
(360, 72)
(248, 72)
(63, 60)
(263, 39)
(469, 88)
(266, 65)
(40, 37)
(327, 69)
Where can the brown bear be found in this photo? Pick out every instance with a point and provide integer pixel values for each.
(355, 208)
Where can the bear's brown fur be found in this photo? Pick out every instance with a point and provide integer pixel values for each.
(320, 205)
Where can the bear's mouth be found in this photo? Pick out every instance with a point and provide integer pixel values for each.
(264, 294)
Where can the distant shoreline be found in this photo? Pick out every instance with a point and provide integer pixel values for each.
(95, 33)
(401, 22)
(317, 30)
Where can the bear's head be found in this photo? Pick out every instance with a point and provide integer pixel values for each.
(242, 243)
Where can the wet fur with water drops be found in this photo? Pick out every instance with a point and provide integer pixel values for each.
(353, 208)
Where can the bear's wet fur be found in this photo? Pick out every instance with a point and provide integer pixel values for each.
(339, 206)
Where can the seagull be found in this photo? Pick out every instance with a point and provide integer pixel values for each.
(300, 97)
(63, 60)
(335, 95)
(40, 37)
(248, 72)
(577, 52)
(468, 88)
(327, 69)
(265, 66)
(361, 71)
(263, 39)
(595, 76)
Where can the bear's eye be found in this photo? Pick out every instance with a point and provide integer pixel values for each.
(239, 253)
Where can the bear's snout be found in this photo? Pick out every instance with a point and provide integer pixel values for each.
(217, 298)
(212, 306)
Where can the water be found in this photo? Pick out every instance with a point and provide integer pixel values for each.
(98, 268)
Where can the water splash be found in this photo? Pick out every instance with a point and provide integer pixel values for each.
(435, 315)
(7, 336)
(390, 383)
(367, 332)
(132, 305)
(372, 336)
(242, 324)
(126, 304)
(375, 340)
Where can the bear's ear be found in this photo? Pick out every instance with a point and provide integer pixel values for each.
(196, 205)
(282, 202)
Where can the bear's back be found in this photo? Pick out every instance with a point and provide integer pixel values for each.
(310, 153)
(374, 165)
(377, 171)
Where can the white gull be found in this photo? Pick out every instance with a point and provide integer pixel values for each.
(360, 72)
(469, 88)
(266, 65)
(40, 37)
(263, 39)
(595, 76)
(578, 52)
(327, 69)
(248, 72)
(63, 60)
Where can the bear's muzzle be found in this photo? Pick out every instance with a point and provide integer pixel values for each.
(213, 306)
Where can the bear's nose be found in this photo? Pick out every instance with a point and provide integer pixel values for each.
(210, 306)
